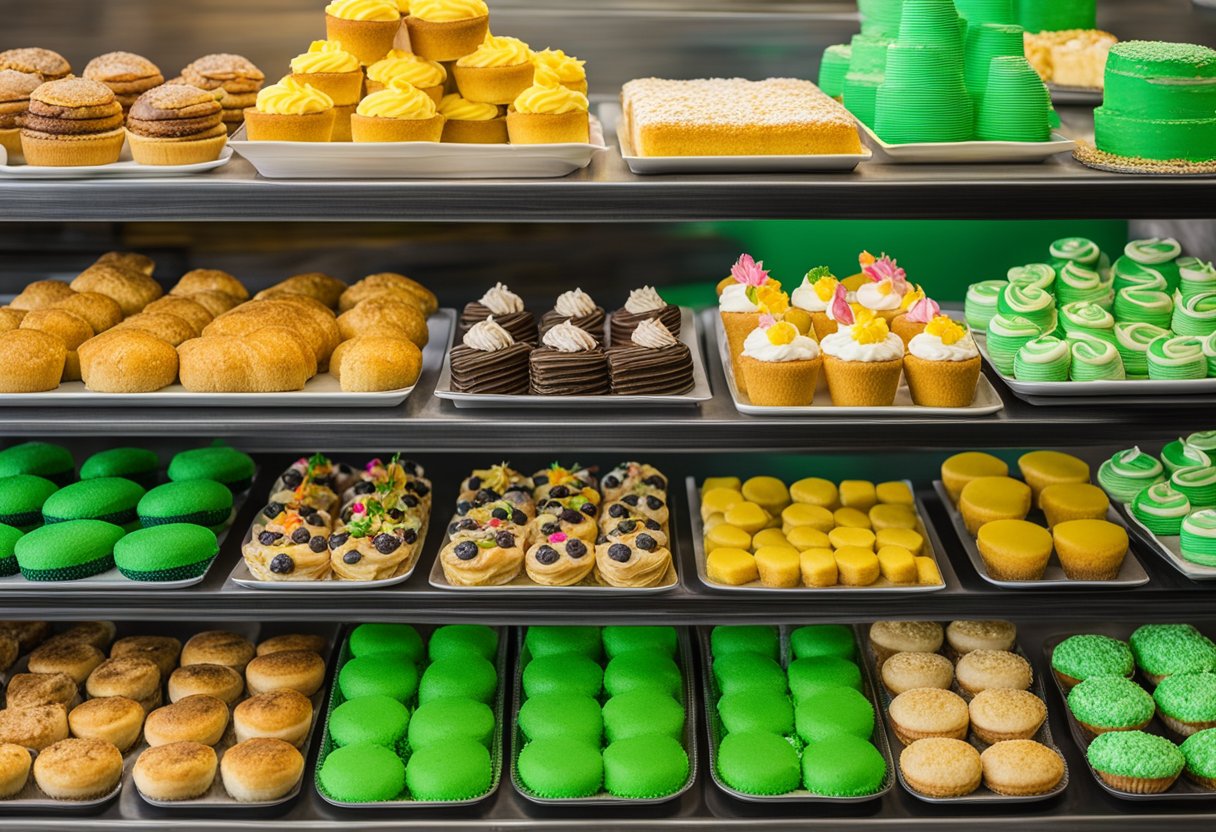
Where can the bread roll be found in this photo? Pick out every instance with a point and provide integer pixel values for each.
(373, 363)
(132, 290)
(115, 719)
(210, 280)
(127, 361)
(218, 647)
(34, 690)
(177, 771)
(261, 769)
(34, 728)
(164, 325)
(217, 303)
(198, 718)
(292, 641)
(162, 650)
(131, 676)
(265, 361)
(197, 315)
(30, 361)
(129, 260)
(374, 284)
(100, 634)
(10, 319)
(72, 329)
(75, 658)
(15, 763)
(383, 315)
(78, 769)
(10, 648)
(100, 311)
(224, 683)
(307, 318)
(42, 294)
(282, 714)
(29, 634)
(317, 285)
(301, 670)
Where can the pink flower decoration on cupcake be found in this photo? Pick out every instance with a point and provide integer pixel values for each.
(748, 272)
(924, 310)
(842, 313)
(885, 268)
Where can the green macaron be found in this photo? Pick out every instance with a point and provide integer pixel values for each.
(823, 640)
(810, 675)
(219, 462)
(361, 773)
(43, 459)
(561, 767)
(747, 638)
(745, 670)
(566, 673)
(640, 670)
(643, 767)
(68, 551)
(457, 770)
(843, 766)
(552, 640)
(829, 712)
(379, 720)
(756, 710)
(453, 640)
(382, 638)
(1199, 750)
(557, 715)
(383, 675)
(463, 677)
(22, 497)
(1166, 649)
(757, 763)
(173, 552)
(1082, 656)
(1135, 754)
(202, 502)
(111, 499)
(643, 712)
(442, 720)
(624, 639)
(1110, 703)
(9, 535)
(136, 464)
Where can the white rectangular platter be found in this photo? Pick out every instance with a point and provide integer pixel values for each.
(125, 167)
(1168, 547)
(964, 153)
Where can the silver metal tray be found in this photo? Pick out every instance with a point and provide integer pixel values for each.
(33, 798)
(964, 153)
(714, 727)
(496, 747)
(700, 391)
(689, 690)
(933, 548)
(1183, 789)
(1167, 547)
(1131, 573)
(987, 401)
(982, 794)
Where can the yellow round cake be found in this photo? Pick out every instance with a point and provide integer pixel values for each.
(993, 498)
(769, 493)
(904, 538)
(816, 491)
(1043, 468)
(1090, 550)
(892, 516)
(852, 518)
(961, 469)
(798, 515)
(1014, 550)
(844, 537)
(1073, 501)
(808, 537)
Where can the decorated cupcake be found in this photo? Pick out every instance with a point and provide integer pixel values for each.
(366, 28)
(887, 285)
(942, 365)
(548, 113)
(1080, 283)
(1132, 340)
(428, 76)
(740, 305)
(568, 68)
(508, 311)
(445, 30)
(1094, 359)
(1195, 315)
(1129, 472)
(1198, 535)
(1157, 253)
(780, 365)
(291, 112)
(1195, 277)
(569, 362)
(1039, 275)
(399, 113)
(1089, 318)
(912, 322)
(643, 304)
(175, 124)
(328, 67)
(655, 363)
(489, 360)
(468, 122)
(496, 72)
(1150, 306)
(863, 359)
(1031, 302)
(814, 295)
(577, 307)
(1181, 453)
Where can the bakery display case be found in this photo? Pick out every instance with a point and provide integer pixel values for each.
(265, 566)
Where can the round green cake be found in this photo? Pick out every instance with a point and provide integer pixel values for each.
(43, 459)
(467, 677)
(111, 499)
(68, 551)
(379, 720)
(640, 713)
(810, 675)
(387, 639)
(1187, 697)
(458, 770)
(1166, 649)
(843, 766)
(1110, 703)
(220, 463)
(830, 712)
(136, 464)
(756, 710)
(9, 535)
(1135, 754)
(748, 638)
(744, 670)
(551, 641)
(1083, 656)
(569, 674)
(21, 499)
(362, 773)
(640, 670)
(561, 767)
(173, 552)
(202, 502)
(384, 675)
(1199, 751)
(454, 640)
(645, 767)
(624, 639)
(443, 720)
(756, 763)
(823, 640)
(558, 715)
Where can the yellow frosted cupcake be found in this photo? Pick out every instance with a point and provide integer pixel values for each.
(942, 365)
(1090, 550)
(445, 30)
(1073, 501)
(993, 498)
(548, 113)
(496, 72)
(400, 113)
(366, 28)
(470, 122)
(780, 366)
(290, 112)
(863, 359)
(961, 469)
(427, 76)
(568, 68)
(328, 67)
(1014, 550)
(1043, 468)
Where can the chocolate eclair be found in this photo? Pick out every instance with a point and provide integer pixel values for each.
(653, 363)
(175, 124)
(569, 363)
(577, 307)
(508, 311)
(489, 360)
(72, 122)
(643, 305)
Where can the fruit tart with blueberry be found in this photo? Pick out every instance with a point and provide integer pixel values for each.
(379, 539)
(647, 506)
(489, 484)
(572, 516)
(490, 557)
(311, 486)
(561, 482)
(289, 543)
(498, 515)
(559, 560)
(628, 529)
(633, 478)
(400, 475)
(322, 472)
(643, 562)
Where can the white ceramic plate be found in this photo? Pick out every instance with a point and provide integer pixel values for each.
(417, 160)
(700, 391)
(1169, 547)
(964, 153)
(124, 167)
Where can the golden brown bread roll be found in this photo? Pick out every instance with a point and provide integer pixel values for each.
(100, 311)
(132, 290)
(384, 316)
(127, 361)
(72, 329)
(41, 294)
(318, 285)
(183, 307)
(210, 280)
(34, 728)
(164, 325)
(373, 363)
(311, 322)
(217, 303)
(129, 260)
(267, 360)
(388, 281)
(10, 319)
(30, 361)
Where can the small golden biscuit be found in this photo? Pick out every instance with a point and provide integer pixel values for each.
(769, 537)
(726, 536)
(1090, 550)
(769, 493)
(961, 469)
(261, 769)
(194, 313)
(1021, 767)
(389, 317)
(897, 565)
(921, 713)
(895, 492)
(99, 311)
(890, 637)
(292, 641)
(129, 260)
(131, 676)
(844, 536)
(30, 361)
(1014, 550)
(33, 690)
(964, 636)
(75, 658)
(816, 491)
(78, 769)
(127, 361)
(374, 363)
(161, 650)
(318, 285)
(100, 634)
(908, 671)
(747, 516)
(375, 284)
(889, 516)
(72, 329)
(209, 280)
(927, 573)
(858, 494)
(164, 325)
(999, 714)
(176, 771)
(218, 647)
(818, 567)
(131, 290)
(941, 767)
(42, 294)
(805, 514)
(45, 63)
(983, 669)
(34, 728)
(224, 683)
(29, 634)
(732, 567)
(1073, 501)
(283, 714)
(298, 670)
(853, 518)
(15, 763)
(905, 538)
(778, 566)
(993, 498)
(115, 719)
(856, 567)
(806, 537)
(1043, 468)
(719, 499)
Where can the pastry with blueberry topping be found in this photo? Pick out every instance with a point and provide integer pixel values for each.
(628, 529)
(308, 482)
(560, 481)
(560, 560)
(491, 558)
(489, 484)
(566, 516)
(401, 475)
(650, 506)
(633, 478)
(380, 541)
(642, 562)
(292, 545)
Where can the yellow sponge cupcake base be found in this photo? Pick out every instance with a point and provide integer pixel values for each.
(1014, 550)
(733, 567)
(818, 567)
(1066, 501)
(1090, 550)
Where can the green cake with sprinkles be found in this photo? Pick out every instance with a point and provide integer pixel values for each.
(1133, 761)
(173, 552)
(112, 499)
(22, 497)
(220, 463)
(201, 502)
(1199, 751)
(68, 551)
(43, 459)
(9, 536)
(136, 464)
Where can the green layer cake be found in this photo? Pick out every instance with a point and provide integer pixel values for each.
(137, 464)
(202, 502)
(68, 551)
(112, 499)
(172, 552)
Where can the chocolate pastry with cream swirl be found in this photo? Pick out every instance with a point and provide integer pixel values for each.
(490, 361)
(577, 307)
(570, 363)
(508, 311)
(644, 304)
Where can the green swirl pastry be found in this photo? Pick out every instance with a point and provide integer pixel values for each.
(1204, 440)
(1198, 484)
(1160, 253)
(1182, 454)
(1128, 274)
(1209, 352)
(1045, 358)
(1195, 315)
(1150, 306)
(1129, 472)
(1040, 275)
(1175, 359)
(1088, 317)
(980, 305)
(1197, 277)
(1095, 360)
(1199, 537)
(1076, 249)
(1161, 509)
(1006, 335)
(1080, 283)
(1030, 302)
(1132, 342)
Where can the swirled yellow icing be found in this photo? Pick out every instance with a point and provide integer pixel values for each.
(399, 99)
(363, 10)
(547, 95)
(461, 109)
(325, 56)
(568, 68)
(292, 98)
(401, 64)
(498, 51)
(445, 11)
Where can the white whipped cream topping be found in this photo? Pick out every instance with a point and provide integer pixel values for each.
(653, 335)
(574, 304)
(487, 336)
(932, 348)
(840, 344)
(642, 300)
(734, 299)
(566, 337)
(502, 301)
(757, 346)
(805, 297)
(870, 296)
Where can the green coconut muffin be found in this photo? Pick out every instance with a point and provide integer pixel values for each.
(1199, 751)
(622, 639)
(21, 499)
(458, 770)
(569, 674)
(379, 720)
(43, 459)
(753, 762)
(744, 670)
(645, 767)
(1127, 759)
(463, 677)
(810, 675)
(68, 551)
(136, 464)
(220, 463)
(643, 670)
(551, 641)
(830, 712)
(443, 720)
(843, 766)
(387, 639)
(202, 502)
(111, 499)
(557, 715)
(382, 675)
(748, 638)
(1110, 703)
(1077, 658)
(174, 552)
(9, 535)
(640, 713)
(362, 773)
(1165, 649)
(756, 710)
(460, 639)
(561, 767)
(1187, 701)
(823, 640)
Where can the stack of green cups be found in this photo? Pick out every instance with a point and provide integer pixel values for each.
(880, 17)
(1075, 282)
(1006, 335)
(1033, 274)
(1132, 341)
(1030, 302)
(1014, 104)
(1197, 537)
(976, 12)
(1128, 274)
(981, 302)
(933, 23)
(1196, 277)
(1150, 306)
(984, 42)
(867, 65)
(1046, 358)
(922, 97)
(833, 67)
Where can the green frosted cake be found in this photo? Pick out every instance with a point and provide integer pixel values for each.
(460, 677)
(567, 673)
(457, 770)
(823, 640)
(1056, 15)
(136, 464)
(640, 713)
(757, 710)
(736, 672)
(829, 712)
(441, 721)
(833, 66)
(551, 641)
(202, 502)
(1079, 657)
(173, 552)
(43, 459)
(808, 676)
(68, 551)
(380, 675)
(362, 773)
(379, 720)
(561, 767)
(1110, 703)
(219, 462)
(553, 715)
(757, 763)
(1199, 750)
(455, 640)
(843, 766)
(1165, 649)
(112, 499)
(647, 766)
(394, 639)
(9, 535)
(623, 639)
(21, 499)
(747, 638)
(640, 670)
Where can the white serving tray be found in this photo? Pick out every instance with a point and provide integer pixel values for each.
(700, 391)
(1169, 547)
(417, 160)
(322, 390)
(986, 401)
(964, 153)
(125, 167)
